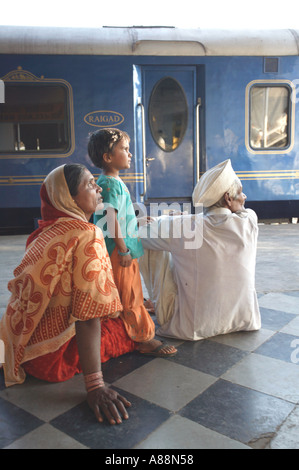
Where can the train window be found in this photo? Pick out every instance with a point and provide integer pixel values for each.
(34, 119)
(269, 117)
(168, 114)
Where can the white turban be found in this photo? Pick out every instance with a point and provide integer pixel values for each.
(213, 184)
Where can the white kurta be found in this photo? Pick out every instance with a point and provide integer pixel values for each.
(206, 286)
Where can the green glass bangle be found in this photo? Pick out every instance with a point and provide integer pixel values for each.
(124, 254)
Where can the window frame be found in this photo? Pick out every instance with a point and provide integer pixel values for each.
(157, 84)
(291, 117)
(21, 77)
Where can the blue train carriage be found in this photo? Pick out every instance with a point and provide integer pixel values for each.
(188, 98)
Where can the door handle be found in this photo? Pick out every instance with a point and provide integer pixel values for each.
(148, 159)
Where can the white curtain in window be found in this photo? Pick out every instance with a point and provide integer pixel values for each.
(269, 117)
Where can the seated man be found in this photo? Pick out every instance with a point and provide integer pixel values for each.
(205, 286)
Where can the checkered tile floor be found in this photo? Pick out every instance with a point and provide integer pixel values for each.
(235, 391)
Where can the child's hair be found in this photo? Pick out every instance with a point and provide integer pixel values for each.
(103, 141)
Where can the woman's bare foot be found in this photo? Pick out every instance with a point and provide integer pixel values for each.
(149, 306)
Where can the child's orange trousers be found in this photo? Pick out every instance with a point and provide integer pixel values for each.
(138, 323)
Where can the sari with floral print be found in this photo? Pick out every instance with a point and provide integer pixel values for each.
(65, 276)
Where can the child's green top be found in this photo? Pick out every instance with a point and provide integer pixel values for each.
(116, 194)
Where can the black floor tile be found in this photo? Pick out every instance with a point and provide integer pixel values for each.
(237, 412)
(207, 356)
(116, 368)
(80, 424)
(15, 423)
(279, 346)
(274, 319)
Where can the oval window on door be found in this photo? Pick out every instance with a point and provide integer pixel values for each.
(168, 114)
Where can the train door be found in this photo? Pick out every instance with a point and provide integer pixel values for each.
(169, 129)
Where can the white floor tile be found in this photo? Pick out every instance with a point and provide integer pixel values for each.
(267, 375)
(46, 437)
(288, 435)
(292, 328)
(182, 433)
(279, 301)
(45, 400)
(245, 340)
(165, 383)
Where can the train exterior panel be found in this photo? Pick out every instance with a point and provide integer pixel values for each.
(187, 105)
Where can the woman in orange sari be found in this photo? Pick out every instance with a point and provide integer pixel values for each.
(63, 314)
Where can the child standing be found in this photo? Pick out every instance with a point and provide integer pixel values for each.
(109, 150)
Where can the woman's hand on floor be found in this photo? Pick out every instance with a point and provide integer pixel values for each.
(107, 402)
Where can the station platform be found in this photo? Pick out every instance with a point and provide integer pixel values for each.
(236, 391)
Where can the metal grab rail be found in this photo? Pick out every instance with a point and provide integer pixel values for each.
(197, 137)
(143, 149)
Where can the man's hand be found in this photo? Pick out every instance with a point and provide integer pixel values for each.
(144, 220)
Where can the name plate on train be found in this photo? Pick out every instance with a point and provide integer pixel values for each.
(104, 118)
